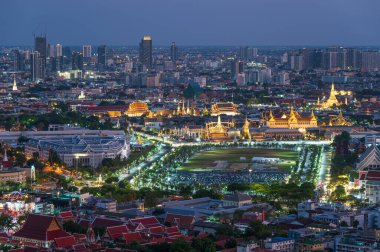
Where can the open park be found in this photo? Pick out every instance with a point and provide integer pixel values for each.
(234, 159)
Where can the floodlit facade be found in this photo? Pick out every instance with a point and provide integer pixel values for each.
(78, 151)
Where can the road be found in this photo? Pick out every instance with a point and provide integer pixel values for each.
(162, 150)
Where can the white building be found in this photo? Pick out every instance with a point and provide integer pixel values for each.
(282, 244)
(79, 150)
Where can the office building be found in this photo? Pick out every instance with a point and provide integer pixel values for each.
(50, 51)
(174, 52)
(237, 67)
(77, 61)
(36, 66)
(102, 57)
(18, 61)
(86, 51)
(145, 52)
(40, 47)
(58, 50)
(243, 52)
(252, 53)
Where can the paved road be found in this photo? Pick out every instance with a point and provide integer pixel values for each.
(162, 150)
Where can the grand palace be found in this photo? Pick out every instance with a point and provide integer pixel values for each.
(293, 120)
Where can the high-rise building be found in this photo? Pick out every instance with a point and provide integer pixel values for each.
(174, 52)
(77, 61)
(40, 46)
(18, 61)
(86, 51)
(50, 51)
(146, 51)
(58, 50)
(243, 52)
(252, 53)
(36, 66)
(102, 57)
(237, 67)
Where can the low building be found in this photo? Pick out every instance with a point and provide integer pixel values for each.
(224, 108)
(309, 245)
(40, 230)
(282, 244)
(237, 200)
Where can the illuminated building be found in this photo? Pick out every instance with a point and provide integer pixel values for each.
(9, 173)
(137, 109)
(218, 131)
(145, 51)
(78, 150)
(245, 134)
(186, 111)
(86, 51)
(339, 120)
(224, 108)
(13, 175)
(14, 87)
(332, 100)
(293, 120)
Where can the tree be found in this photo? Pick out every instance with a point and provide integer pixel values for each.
(20, 159)
(339, 193)
(230, 243)
(203, 245)
(355, 223)
(180, 246)
(5, 222)
(343, 224)
(73, 227)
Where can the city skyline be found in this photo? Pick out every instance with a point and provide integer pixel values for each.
(207, 23)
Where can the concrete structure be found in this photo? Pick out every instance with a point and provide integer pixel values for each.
(79, 150)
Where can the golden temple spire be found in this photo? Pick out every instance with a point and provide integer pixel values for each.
(312, 116)
(245, 132)
(318, 102)
(14, 88)
(219, 121)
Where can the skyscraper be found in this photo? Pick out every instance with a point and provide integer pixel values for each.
(243, 52)
(237, 67)
(50, 51)
(145, 52)
(18, 61)
(102, 57)
(77, 61)
(173, 52)
(40, 46)
(58, 50)
(36, 66)
(86, 51)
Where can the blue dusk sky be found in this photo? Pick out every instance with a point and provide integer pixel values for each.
(192, 22)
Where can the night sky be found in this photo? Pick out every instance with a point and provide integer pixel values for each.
(192, 22)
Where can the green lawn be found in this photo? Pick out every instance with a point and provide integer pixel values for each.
(203, 161)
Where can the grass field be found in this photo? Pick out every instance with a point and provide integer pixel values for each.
(204, 161)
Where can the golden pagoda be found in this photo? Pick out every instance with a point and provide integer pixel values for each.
(137, 109)
(245, 131)
(224, 108)
(293, 120)
(186, 111)
(339, 120)
(218, 131)
(332, 100)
